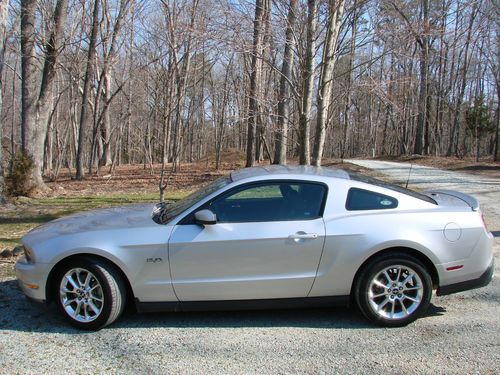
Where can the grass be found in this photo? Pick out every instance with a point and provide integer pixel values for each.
(30, 213)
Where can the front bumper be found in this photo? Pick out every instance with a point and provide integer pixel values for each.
(481, 281)
(32, 278)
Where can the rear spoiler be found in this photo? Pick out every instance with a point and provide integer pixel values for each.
(470, 200)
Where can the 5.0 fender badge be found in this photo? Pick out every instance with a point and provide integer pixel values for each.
(154, 260)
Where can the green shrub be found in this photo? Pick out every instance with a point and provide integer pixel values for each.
(17, 182)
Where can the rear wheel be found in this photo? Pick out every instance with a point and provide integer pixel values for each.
(393, 290)
(90, 293)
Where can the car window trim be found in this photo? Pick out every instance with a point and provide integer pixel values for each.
(185, 219)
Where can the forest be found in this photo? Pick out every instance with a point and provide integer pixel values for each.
(89, 85)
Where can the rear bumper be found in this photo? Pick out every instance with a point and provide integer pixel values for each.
(481, 281)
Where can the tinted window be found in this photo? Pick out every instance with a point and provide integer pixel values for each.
(373, 181)
(276, 201)
(359, 199)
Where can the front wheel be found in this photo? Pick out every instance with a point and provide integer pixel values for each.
(90, 293)
(393, 290)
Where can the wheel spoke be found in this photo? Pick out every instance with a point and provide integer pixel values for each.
(408, 278)
(87, 280)
(399, 274)
(411, 298)
(79, 277)
(377, 295)
(69, 302)
(72, 282)
(77, 310)
(389, 280)
(381, 306)
(393, 307)
(94, 298)
(403, 307)
(412, 288)
(378, 283)
(94, 307)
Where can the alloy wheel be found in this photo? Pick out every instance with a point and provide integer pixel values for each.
(395, 292)
(81, 295)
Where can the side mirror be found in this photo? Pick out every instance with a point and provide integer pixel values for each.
(205, 217)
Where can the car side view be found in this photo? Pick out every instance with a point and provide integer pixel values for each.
(263, 237)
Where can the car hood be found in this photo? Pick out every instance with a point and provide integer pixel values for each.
(125, 217)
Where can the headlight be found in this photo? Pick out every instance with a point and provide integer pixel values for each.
(28, 254)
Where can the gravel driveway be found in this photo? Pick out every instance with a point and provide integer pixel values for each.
(486, 190)
(460, 334)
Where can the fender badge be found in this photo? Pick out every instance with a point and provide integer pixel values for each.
(154, 260)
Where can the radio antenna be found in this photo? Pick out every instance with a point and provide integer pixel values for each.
(409, 174)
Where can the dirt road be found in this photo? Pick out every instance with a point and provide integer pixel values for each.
(486, 190)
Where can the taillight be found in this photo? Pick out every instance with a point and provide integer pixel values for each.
(484, 222)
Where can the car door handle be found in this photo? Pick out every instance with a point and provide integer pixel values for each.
(303, 236)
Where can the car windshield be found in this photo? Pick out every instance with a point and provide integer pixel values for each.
(165, 211)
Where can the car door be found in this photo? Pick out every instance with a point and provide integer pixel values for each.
(267, 243)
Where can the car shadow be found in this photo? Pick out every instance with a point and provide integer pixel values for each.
(17, 313)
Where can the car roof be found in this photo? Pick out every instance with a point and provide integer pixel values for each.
(305, 170)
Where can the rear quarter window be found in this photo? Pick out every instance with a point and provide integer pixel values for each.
(361, 199)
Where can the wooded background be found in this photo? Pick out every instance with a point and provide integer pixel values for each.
(88, 85)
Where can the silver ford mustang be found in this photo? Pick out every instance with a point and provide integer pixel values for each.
(264, 237)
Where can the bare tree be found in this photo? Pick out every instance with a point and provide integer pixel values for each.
(455, 130)
(105, 83)
(4, 10)
(255, 73)
(284, 87)
(89, 71)
(496, 73)
(335, 13)
(308, 83)
(36, 103)
(394, 77)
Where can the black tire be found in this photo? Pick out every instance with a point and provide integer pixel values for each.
(105, 291)
(376, 302)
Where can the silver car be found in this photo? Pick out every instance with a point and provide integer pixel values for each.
(264, 237)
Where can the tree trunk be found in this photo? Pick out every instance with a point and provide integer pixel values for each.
(106, 119)
(258, 40)
(89, 71)
(455, 135)
(497, 82)
(36, 108)
(335, 13)
(308, 79)
(284, 89)
(4, 11)
(28, 86)
(422, 118)
(348, 96)
(105, 83)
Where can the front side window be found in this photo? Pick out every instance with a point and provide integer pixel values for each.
(360, 199)
(271, 201)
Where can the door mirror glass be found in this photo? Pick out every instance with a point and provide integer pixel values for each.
(205, 217)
